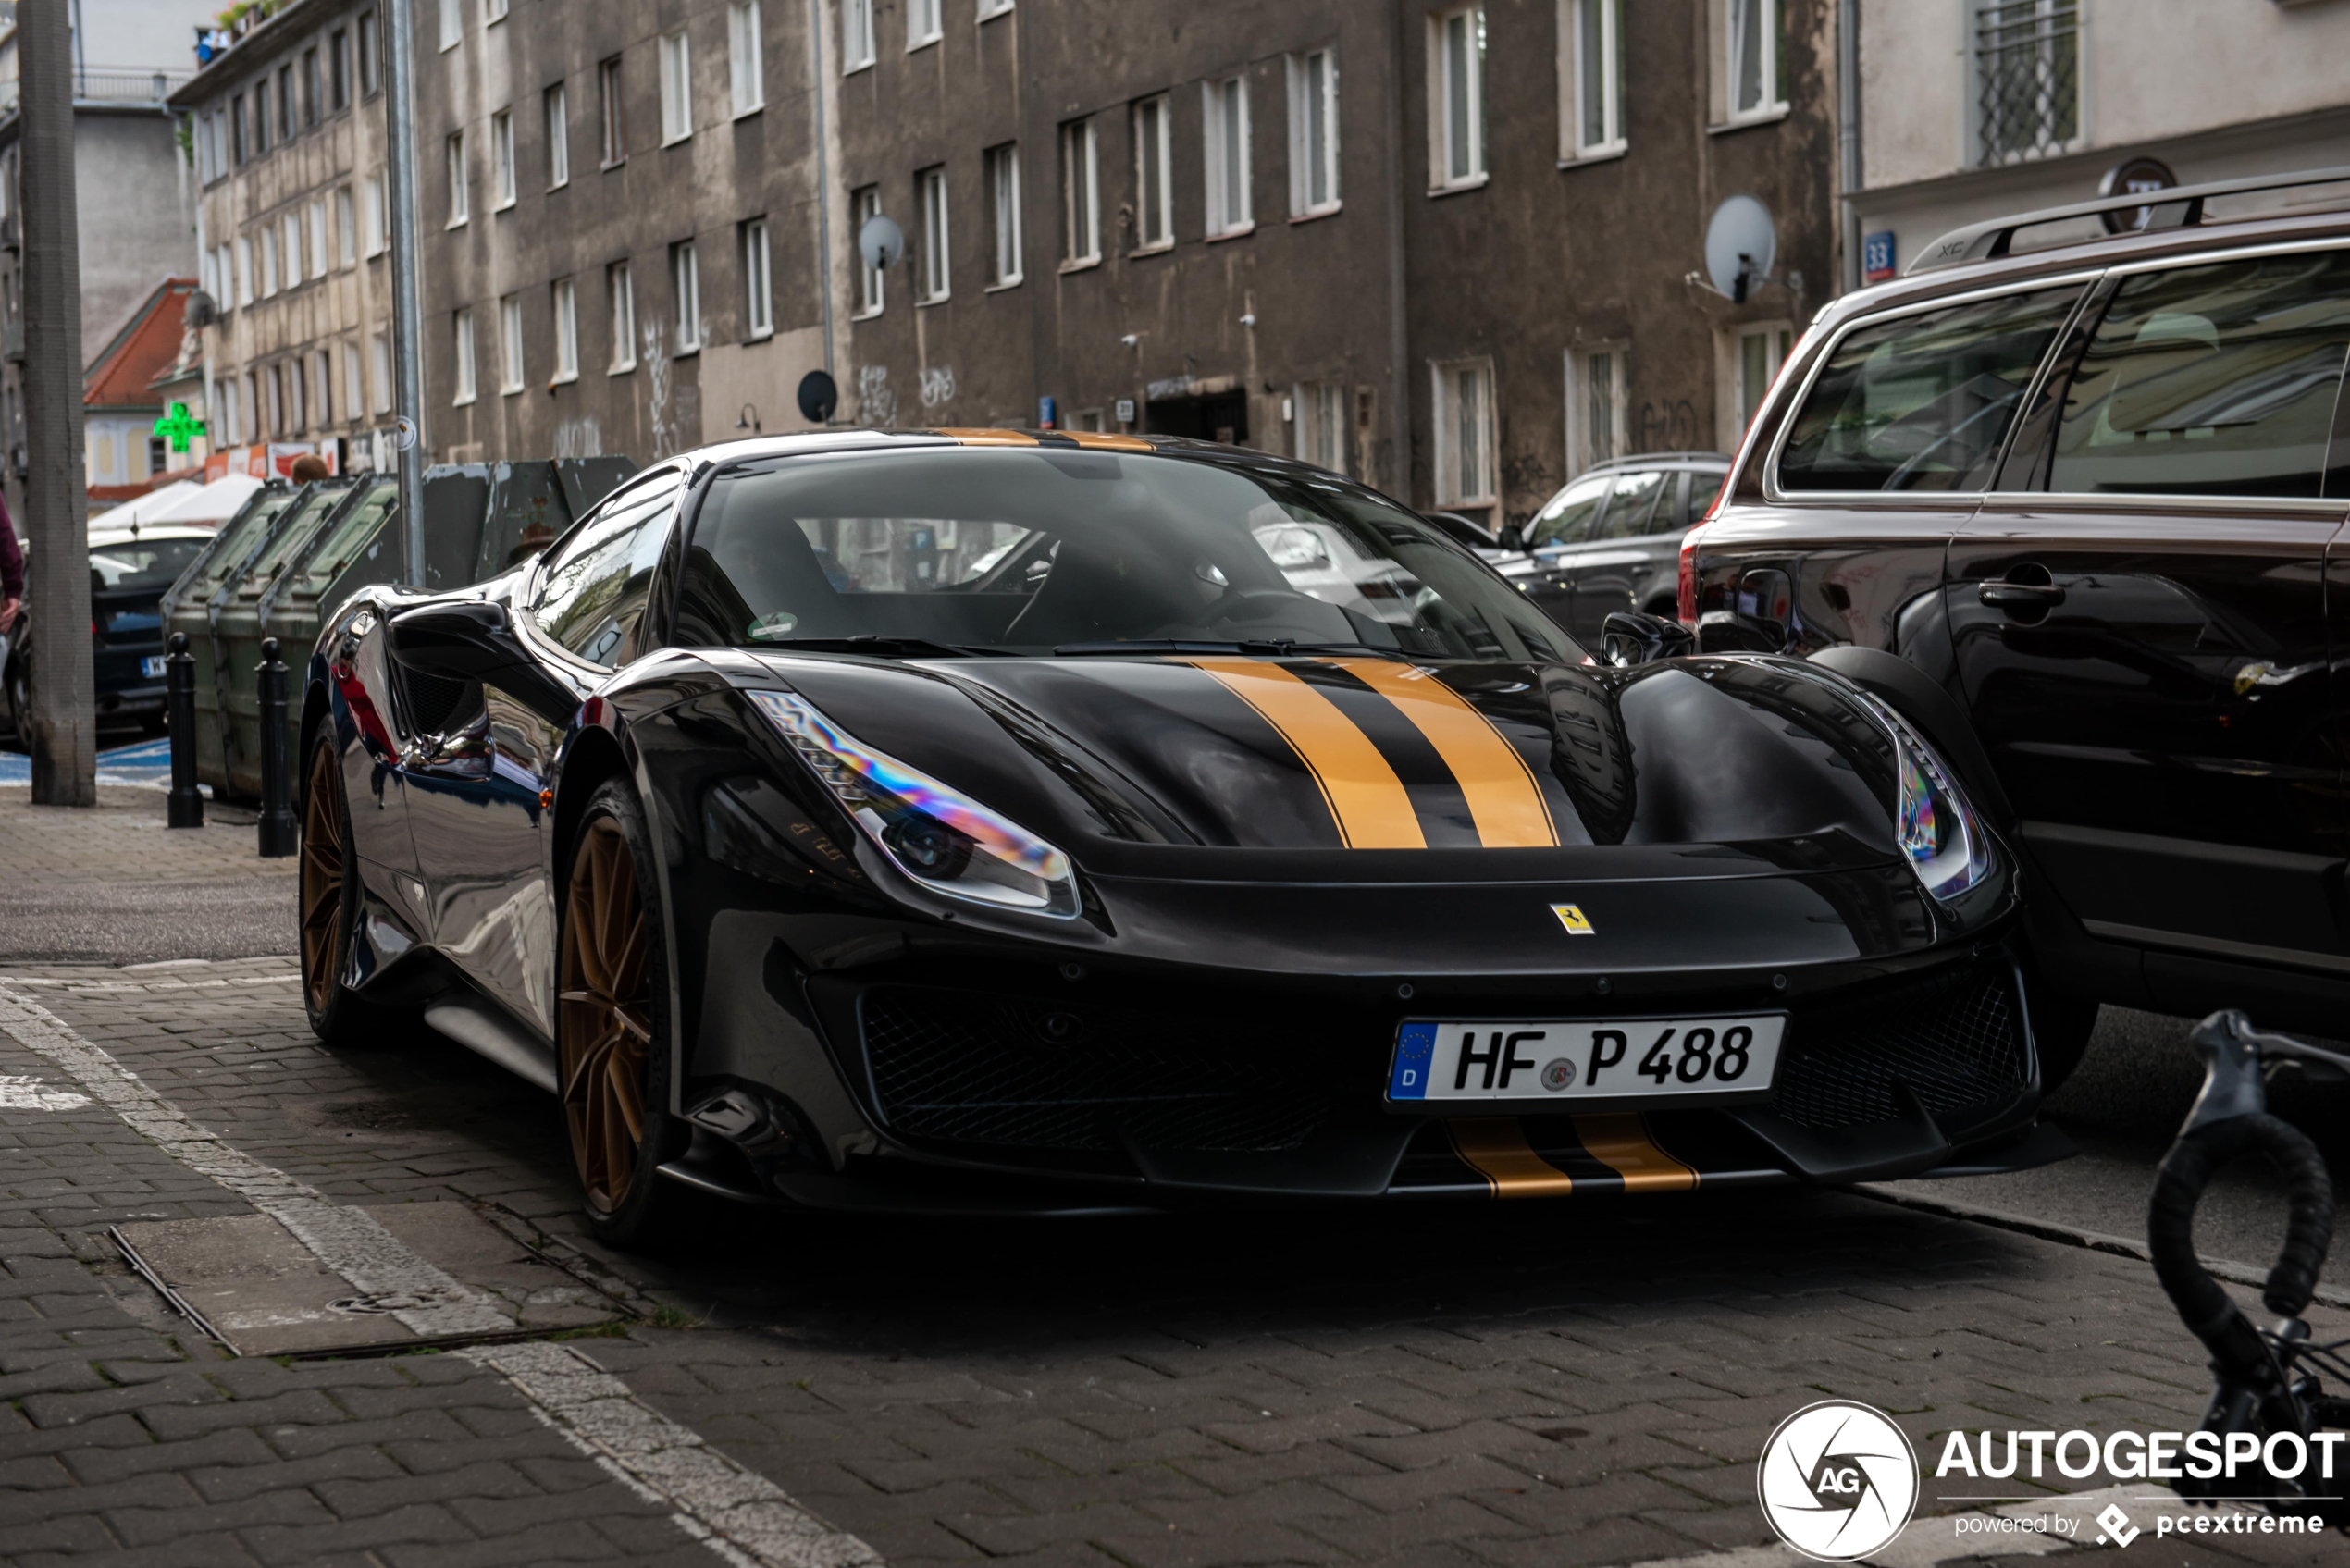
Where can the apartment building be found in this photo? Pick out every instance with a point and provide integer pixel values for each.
(622, 231)
(1971, 109)
(285, 135)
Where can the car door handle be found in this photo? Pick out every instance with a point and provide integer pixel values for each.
(2021, 596)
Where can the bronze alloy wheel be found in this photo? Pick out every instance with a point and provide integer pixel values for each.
(605, 1025)
(322, 877)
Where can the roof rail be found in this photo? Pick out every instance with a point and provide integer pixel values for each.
(1990, 240)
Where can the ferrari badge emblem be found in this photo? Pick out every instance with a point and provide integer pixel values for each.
(1572, 918)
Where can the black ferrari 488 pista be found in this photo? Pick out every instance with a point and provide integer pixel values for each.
(964, 820)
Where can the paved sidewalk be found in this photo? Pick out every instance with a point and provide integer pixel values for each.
(113, 883)
(1489, 1386)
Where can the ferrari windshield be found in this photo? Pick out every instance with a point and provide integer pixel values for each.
(1040, 550)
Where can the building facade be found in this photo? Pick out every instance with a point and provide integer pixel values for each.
(286, 132)
(135, 218)
(1456, 251)
(621, 236)
(1972, 109)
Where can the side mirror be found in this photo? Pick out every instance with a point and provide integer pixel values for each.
(1512, 537)
(1632, 637)
(474, 641)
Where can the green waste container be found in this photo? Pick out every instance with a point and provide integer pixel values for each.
(360, 540)
(235, 612)
(185, 609)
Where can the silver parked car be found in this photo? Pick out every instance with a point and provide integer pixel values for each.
(1611, 540)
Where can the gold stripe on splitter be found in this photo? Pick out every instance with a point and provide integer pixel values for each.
(1620, 1140)
(1368, 802)
(1504, 799)
(1496, 1148)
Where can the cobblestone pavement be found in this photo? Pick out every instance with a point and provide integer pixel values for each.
(1551, 1385)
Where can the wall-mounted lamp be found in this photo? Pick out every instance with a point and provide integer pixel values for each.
(748, 419)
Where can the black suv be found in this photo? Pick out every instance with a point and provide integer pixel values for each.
(2082, 508)
(1611, 540)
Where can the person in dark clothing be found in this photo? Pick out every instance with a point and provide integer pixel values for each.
(11, 570)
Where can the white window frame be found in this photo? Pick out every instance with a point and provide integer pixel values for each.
(460, 199)
(935, 277)
(1080, 195)
(925, 23)
(379, 365)
(462, 334)
(990, 9)
(1772, 104)
(1154, 164)
(509, 347)
(1307, 102)
(493, 11)
(620, 293)
(1575, 19)
(1004, 210)
(244, 270)
(453, 24)
(554, 118)
(354, 389)
(501, 158)
(320, 257)
(268, 261)
(564, 296)
(1445, 149)
(290, 273)
(676, 87)
(1582, 452)
(1741, 398)
(684, 281)
(746, 68)
(1456, 485)
(322, 377)
(611, 131)
(1309, 401)
(378, 216)
(759, 281)
(346, 221)
(873, 284)
(297, 398)
(1224, 120)
(857, 46)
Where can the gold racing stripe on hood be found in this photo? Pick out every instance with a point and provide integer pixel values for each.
(1372, 808)
(1495, 1147)
(1504, 799)
(1620, 1140)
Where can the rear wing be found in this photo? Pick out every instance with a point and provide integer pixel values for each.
(1991, 240)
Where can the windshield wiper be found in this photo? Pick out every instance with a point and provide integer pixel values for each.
(1278, 648)
(885, 648)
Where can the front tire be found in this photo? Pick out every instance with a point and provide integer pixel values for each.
(330, 902)
(611, 1023)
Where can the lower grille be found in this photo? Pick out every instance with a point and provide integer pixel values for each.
(968, 1067)
(1957, 1040)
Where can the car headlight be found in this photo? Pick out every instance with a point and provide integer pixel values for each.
(1939, 832)
(937, 835)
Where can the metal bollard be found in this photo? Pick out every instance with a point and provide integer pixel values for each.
(278, 837)
(180, 713)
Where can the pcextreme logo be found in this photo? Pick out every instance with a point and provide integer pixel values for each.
(1837, 1480)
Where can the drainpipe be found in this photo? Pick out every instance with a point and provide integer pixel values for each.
(407, 318)
(823, 177)
(1847, 133)
(1399, 340)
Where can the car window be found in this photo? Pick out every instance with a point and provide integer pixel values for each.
(1921, 402)
(149, 564)
(1704, 485)
(1568, 514)
(2210, 380)
(1642, 504)
(594, 592)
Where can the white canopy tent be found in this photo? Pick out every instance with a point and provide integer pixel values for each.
(147, 508)
(214, 503)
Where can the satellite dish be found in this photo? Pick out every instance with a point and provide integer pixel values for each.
(818, 397)
(881, 241)
(1741, 244)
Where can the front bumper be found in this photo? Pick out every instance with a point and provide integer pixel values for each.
(990, 1087)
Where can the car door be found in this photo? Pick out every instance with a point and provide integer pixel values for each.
(1645, 503)
(1553, 538)
(2143, 638)
(476, 787)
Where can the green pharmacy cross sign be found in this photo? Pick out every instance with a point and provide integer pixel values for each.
(175, 426)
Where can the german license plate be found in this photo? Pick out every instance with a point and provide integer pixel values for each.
(1564, 1063)
(152, 665)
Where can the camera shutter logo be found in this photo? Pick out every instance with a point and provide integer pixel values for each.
(1837, 1480)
